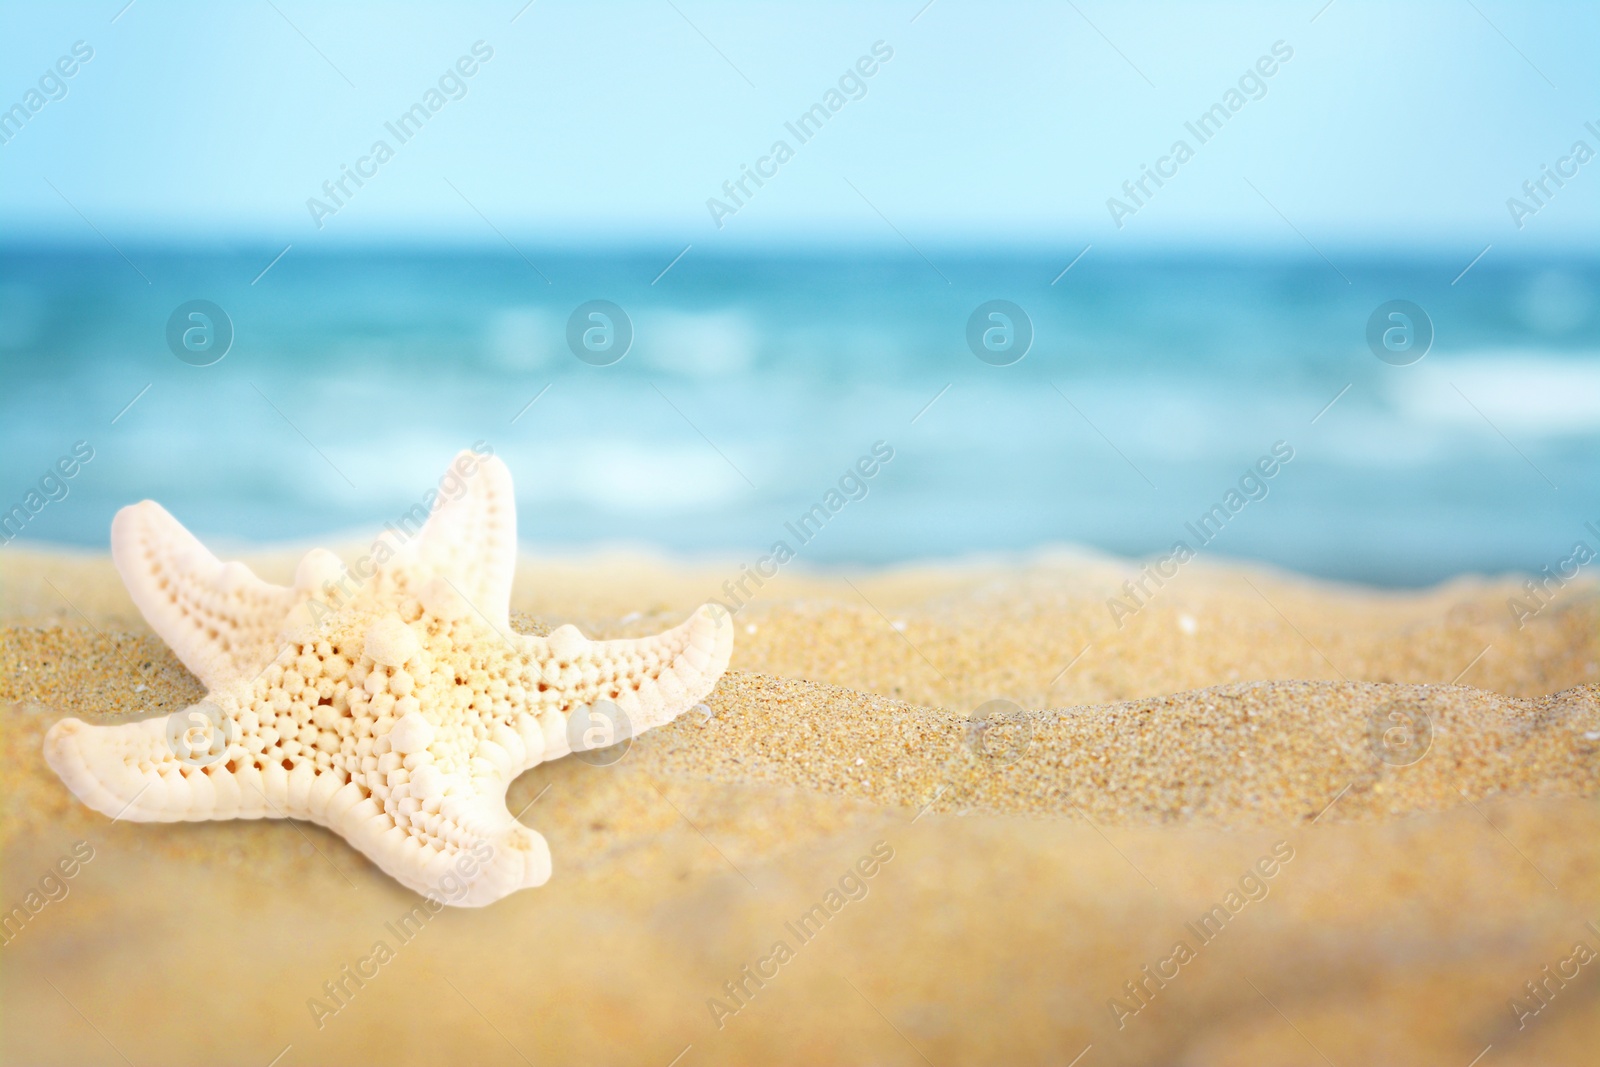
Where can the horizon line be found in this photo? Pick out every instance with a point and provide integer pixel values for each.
(250, 244)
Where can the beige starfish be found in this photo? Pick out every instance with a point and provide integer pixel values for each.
(390, 702)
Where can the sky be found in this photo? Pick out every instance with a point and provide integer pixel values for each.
(1381, 124)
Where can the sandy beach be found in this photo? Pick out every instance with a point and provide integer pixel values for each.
(758, 535)
(1264, 820)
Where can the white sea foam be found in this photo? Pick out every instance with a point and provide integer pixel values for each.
(700, 345)
(519, 338)
(1517, 392)
(623, 476)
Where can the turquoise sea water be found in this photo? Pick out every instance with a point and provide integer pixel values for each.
(752, 386)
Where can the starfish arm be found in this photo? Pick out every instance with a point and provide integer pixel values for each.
(463, 849)
(652, 680)
(130, 771)
(672, 671)
(219, 618)
(438, 824)
(470, 538)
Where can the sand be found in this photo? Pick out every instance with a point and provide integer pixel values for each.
(1383, 895)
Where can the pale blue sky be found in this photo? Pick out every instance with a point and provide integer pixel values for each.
(1393, 123)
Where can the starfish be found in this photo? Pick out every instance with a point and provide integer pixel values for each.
(389, 701)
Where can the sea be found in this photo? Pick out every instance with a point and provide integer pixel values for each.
(1419, 421)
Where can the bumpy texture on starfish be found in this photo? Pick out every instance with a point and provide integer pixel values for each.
(390, 702)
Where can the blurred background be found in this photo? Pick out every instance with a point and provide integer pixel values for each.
(1163, 333)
